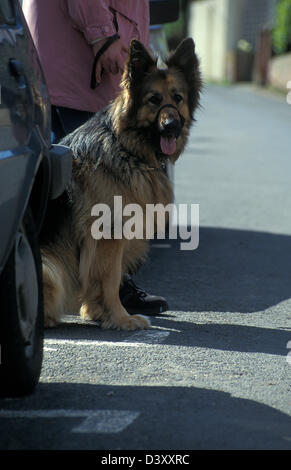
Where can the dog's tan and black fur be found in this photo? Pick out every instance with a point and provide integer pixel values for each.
(122, 151)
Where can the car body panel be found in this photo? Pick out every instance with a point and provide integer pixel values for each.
(25, 128)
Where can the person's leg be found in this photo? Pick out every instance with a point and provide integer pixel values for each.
(137, 300)
(66, 120)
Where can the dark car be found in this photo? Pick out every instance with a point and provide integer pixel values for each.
(31, 172)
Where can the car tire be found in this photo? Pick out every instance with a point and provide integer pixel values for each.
(21, 314)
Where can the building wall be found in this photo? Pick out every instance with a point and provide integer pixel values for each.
(218, 25)
(256, 15)
(207, 26)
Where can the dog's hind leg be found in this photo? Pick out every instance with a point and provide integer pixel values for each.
(103, 261)
(53, 289)
(91, 295)
(60, 268)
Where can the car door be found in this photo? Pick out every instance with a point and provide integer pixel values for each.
(24, 121)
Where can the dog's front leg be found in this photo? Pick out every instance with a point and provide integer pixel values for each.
(100, 272)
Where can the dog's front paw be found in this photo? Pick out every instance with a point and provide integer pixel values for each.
(136, 322)
(128, 322)
(92, 311)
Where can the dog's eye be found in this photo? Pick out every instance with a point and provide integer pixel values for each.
(178, 98)
(156, 100)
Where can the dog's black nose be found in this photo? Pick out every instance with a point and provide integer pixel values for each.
(171, 126)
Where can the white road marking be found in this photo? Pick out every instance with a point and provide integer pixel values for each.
(146, 337)
(139, 338)
(96, 421)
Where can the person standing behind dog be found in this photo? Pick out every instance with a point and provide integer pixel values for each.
(68, 34)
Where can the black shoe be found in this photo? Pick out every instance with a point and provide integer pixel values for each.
(135, 300)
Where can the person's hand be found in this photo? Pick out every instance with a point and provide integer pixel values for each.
(112, 60)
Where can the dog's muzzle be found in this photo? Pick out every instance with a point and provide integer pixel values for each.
(170, 126)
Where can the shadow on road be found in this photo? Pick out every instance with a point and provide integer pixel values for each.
(231, 271)
(221, 336)
(168, 418)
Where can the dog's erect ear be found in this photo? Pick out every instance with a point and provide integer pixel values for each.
(139, 60)
(184, 57)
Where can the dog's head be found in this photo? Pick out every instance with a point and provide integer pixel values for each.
(160, 101)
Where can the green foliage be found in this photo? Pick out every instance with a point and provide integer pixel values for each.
(282, 29)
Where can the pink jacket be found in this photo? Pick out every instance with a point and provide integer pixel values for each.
(63, 30)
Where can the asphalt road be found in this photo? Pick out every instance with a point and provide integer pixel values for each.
(212, 373)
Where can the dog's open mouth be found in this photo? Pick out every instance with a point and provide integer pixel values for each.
(168, 144)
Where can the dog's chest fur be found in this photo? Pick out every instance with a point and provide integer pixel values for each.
(103, 168)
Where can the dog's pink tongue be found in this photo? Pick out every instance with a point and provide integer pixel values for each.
(168, 145)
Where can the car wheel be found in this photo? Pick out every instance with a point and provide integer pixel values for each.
(21, 314)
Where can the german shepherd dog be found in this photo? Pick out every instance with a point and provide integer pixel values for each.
(122, 150)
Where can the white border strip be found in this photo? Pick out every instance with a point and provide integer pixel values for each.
(140, 338)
